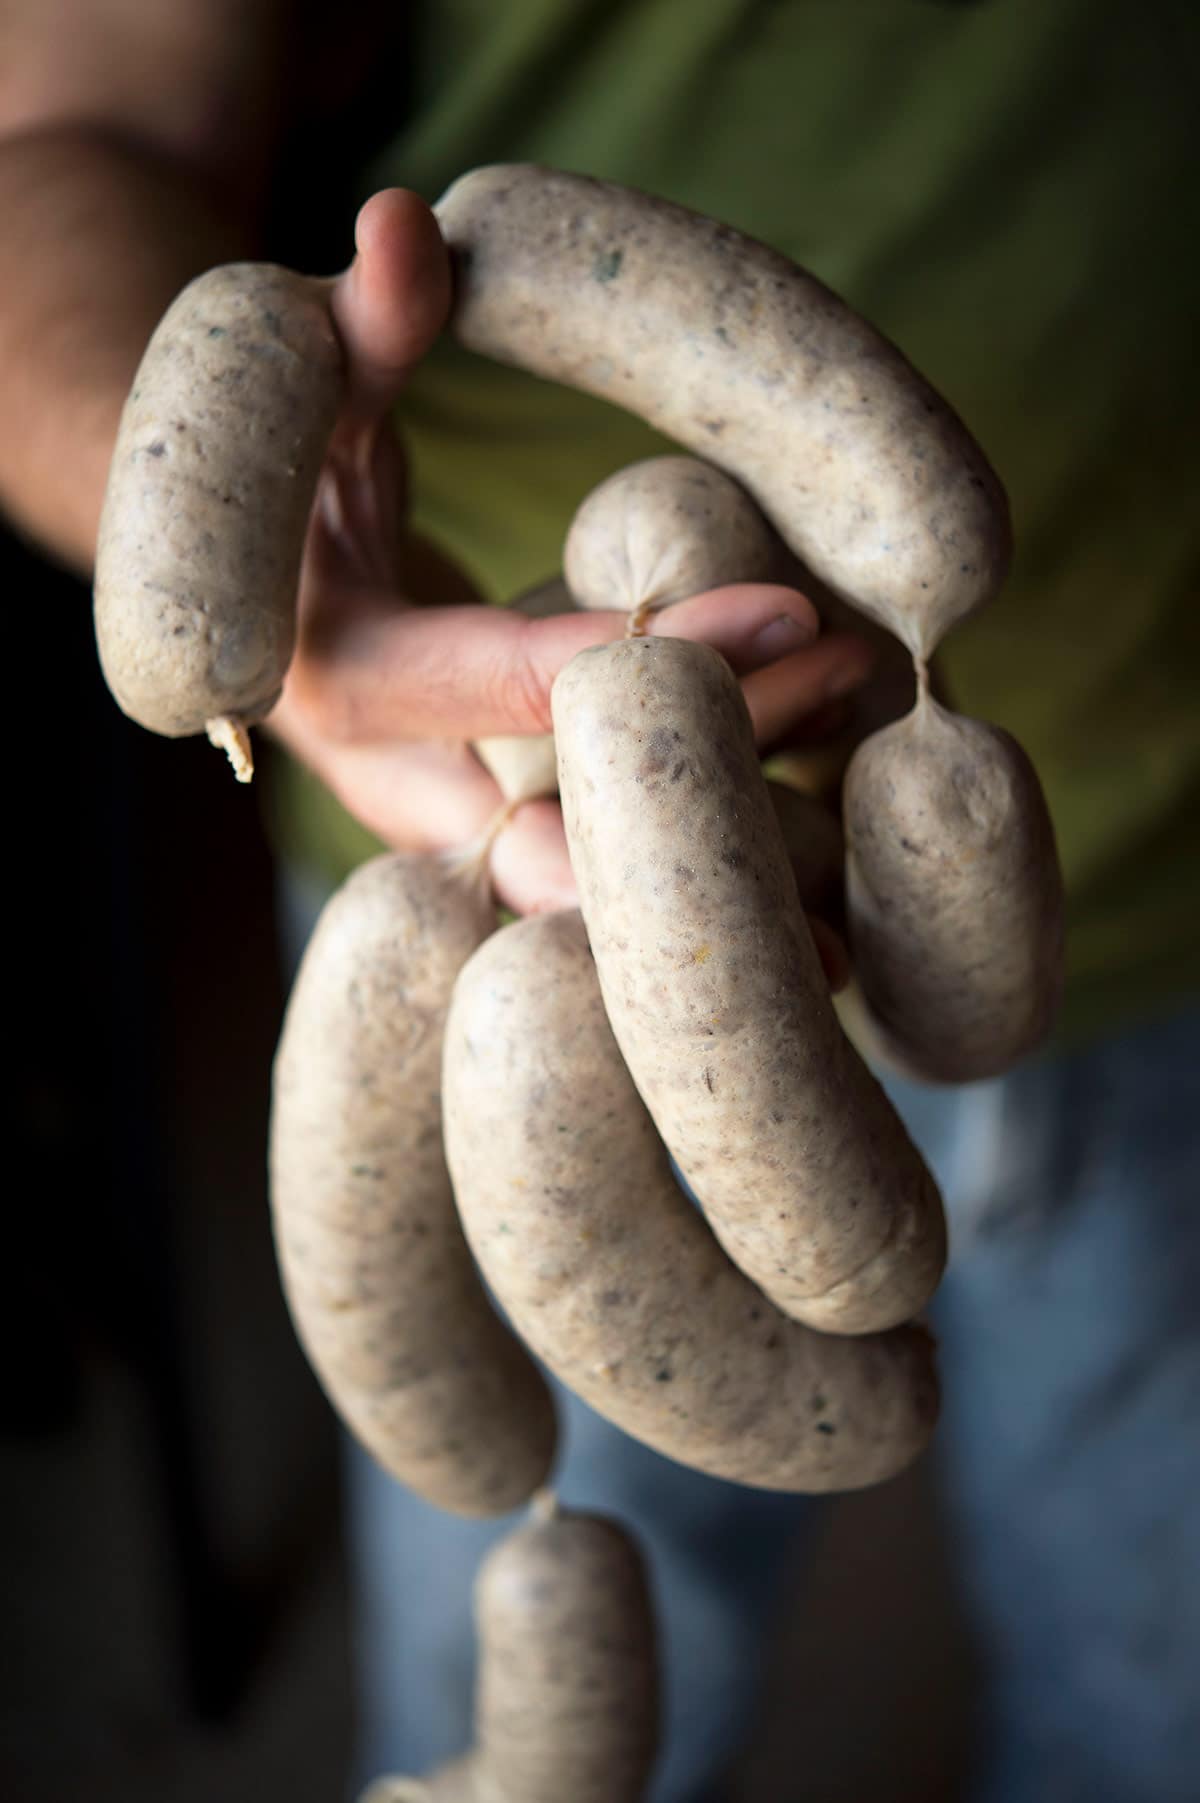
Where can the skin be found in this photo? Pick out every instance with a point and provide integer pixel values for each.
(662, 530)
(381, 1286)
(716, 995)
(526, 768)
(567, 1693)
(146, 156)
(731, 350)
(213, 475)
(607, 1272)
(953, 895)
(667, 528)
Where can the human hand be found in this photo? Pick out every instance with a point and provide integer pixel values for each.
(385, 691)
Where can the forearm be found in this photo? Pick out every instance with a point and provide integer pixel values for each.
(99, 234)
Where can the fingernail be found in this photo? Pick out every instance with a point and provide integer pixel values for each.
(779, 636)
(844, 677)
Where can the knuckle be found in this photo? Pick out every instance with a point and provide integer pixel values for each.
(522, 691)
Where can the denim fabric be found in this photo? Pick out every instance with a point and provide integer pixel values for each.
(1069, 1451)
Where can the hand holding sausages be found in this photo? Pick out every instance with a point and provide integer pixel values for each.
(866, 474)
(654, 534)
(377, 1274)
(609, 1274)
(869, 479)
(255, 380)
(664, 534)
(380, 697)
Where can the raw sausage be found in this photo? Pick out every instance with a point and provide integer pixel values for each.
(953, 894)
(717, 997)
(609, 1274)
(382, 1289)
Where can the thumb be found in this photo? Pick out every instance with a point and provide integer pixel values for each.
(392, 302)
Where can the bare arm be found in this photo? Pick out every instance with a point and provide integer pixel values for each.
(135, 140)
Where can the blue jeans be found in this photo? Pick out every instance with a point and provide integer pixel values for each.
(1068, 1460)
(1069, 1450)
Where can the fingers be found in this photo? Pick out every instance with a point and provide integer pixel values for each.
(437, 798)
(372, 671)
(388, 307)
(433, 796)
(783, 694)
(530, 868)
(749, 623)
(356, 531)
(392, 302)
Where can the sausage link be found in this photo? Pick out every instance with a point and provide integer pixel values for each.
(378, 1277)
(954, 896)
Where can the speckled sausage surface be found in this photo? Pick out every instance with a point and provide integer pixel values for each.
(381, 1285)
(566, 1698)
(212, 479)
(612, 1277)
(717, 996)
(663, 530)
(953, 894)
(730, 349)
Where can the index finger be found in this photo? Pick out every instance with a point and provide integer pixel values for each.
(372, 670)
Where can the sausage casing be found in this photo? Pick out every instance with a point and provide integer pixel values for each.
(378, 1277)
(717, 996)
(612, 1277)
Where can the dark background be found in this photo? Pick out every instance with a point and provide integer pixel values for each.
(172, 1606)
(167, 1466)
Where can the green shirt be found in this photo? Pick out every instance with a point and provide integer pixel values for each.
(1004, 188)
